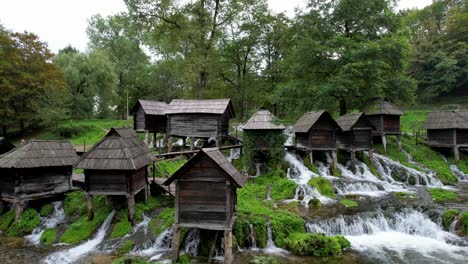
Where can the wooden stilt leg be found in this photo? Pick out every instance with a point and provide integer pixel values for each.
(146, 137)
(131, 208)
(175, 244)
(147, 192)
(228, 246)
(353, 161)
(184, 143)
(399, 141)
(165, 139)
(335, 159)
(19, 208)
(371, 154)
(192, 144)
(169, 145)
(89, 199)
(456, 153)
(384, 143)
(311, 157)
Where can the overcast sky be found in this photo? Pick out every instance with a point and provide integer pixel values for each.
(63, 22)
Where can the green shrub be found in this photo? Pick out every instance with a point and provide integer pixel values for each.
(49, 236)
(6, 220)
(323, 185)
(46, 210)
(75, 203)
(123, 226)
(163, 221)
(275, 142)
(440, 195)
(26, 224)
(348, 203)
(183, 259)
(282, 189)
(284, 223)
(318, 245)
(448, 217)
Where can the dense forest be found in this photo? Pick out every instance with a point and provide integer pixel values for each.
(333, 55)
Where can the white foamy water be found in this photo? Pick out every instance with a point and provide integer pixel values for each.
(288, 132)
(271, 248)
(234, 154)
(461, 175)
(409, 230)
(73, 254)
(192, 242)
(57, 217)
(142, 225)
(162, 244)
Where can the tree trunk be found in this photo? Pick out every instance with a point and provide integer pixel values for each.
(122, 101)
(343, 109)
(201, 83)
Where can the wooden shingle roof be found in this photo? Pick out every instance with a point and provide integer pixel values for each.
(447, 120)
(217, 157)
(40, 153)
(209, 106)
(308, 120)
(263, 120)
(151, 107)
(4, 141)
(381, 107)
(120, 149)
(347, 122)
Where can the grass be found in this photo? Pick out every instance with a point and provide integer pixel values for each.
(440, 195)
(6, 220)
(464, 223)
(46, 210)
(162, 221)
(413, 120)
(26, 224)
(318, 245)
(448, 217)
(348, 203)
(323, 185)
(49, 236)
(126, 247)
(83, 229)
(122, 227)
(169, 166)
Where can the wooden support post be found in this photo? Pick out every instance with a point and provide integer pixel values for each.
(399, 141)
(184, 143)
(456, 153)
(19, 208)
(335, 159)
(353, 161)
(192, 143)
(165, 139)
(169, 145)
(175, 243)
(311, 157)
(89, 199)
(146, 137)
(384, 142)
(147, 192)
(227, 246)
(131, 208)
(371, 154)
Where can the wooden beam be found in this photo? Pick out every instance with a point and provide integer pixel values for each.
(176, 243)
(228, 246)
(19, 208)
(131, 209)
(89, 199)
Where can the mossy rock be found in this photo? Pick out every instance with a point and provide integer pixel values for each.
(282, 189)
(448, 217)
(6, 220)
(82, 229)
(122, 225)
(162, 221)
(440, 195)
(26, 224)
(284, 223)
(184, 259)
(315, 203)
(335, 172)
(260, 229)
(348, 203)
(49, 236)
(126, 247)
(323, 185)
(318, 245)
(309, 165)
(46, 210)
(264, 260)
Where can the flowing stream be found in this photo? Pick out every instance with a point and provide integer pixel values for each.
(162, 244)
(57, 217)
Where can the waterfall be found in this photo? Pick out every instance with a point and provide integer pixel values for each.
(288, 132)
(257, 169)
(163, 243)
(301, 175)
(252, 237)
(73, 254)
(402, 232)
(57, 217)
(455, 170)
(234, 154)
(271, 248)
(142, 225)
(192, 242)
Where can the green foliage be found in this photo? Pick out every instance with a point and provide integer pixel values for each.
(26, 224)
(274, 141)
(152, 204)
(122, 227)
(348, 203)
(75, 203)
(413, 120)
(46, 210)
(264, 260)
(126, 247)
(318, 245)
(323, 185)
(448, 217)
(162, 221)
(83, 229)
(168, 167)
(6, 220)
(49, 236)
(184, 259)
(440, 195)
(464, 223)
(282, 189)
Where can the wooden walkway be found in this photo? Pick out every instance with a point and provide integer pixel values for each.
(169, 189)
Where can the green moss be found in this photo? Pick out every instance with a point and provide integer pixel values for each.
(163, 221)
(282, 189)
(404, 195)
(169, 167)
(284, 223)
(122, 225)
(318, 245)
(152, 204)
(448, 217)
(75, 203)
(464, 223)
(183, 259)
(309, 165)
(370, 165)
(49, 236)
(46, 210)
(260, 229)
(335, 172)
(323, 185)
(440, 195)
(126, 247)
(6, 220)
(264, 260)
(348, 203)
(25, 225)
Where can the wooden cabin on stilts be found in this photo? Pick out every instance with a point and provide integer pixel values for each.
(199, 119)
(448, 129)
(117, 165)
(355, 135)
(5, 145)
(206, 196)
(150, 117)
(386, 119)
(316, 131)
(39, 169)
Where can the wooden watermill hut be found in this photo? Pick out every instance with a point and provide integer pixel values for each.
(39, 169)
(116, 165)
(206, 196)
(447, 129)
(150, 117)
(355, 134)
(260, 125)
(316, 131)
(385, 117)
(202, 119)
(5, 145)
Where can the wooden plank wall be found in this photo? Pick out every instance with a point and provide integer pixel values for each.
(391, 124)
(322, 139)
(194, 125)
(376, 120)
(440, 137)
(7, 182)
(139, 119)
(106, 181)
(38, 180)
(362, 139)
(138, 179)
(462, 136)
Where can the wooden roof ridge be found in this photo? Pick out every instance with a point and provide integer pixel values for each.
(201, 106)
(447, 119)
(40, 153)
(218, 158)
(151, 107)
(308, 120)
(263, 120)
(377, 106)
(347, 122)
(119, 149)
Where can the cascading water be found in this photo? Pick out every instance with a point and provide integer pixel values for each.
(57, 217)
(409, 233)
(73, 254)
(163, 243)
(252, 238)
(301, 175)
(288, 132)
(271, 248)
(142, 225)
(192, 242)
(455, 170)
(234, 154)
